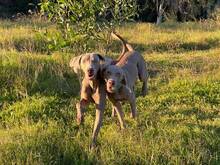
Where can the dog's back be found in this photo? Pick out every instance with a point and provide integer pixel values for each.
(133, 63)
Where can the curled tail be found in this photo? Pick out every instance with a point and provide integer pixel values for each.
(125, 45)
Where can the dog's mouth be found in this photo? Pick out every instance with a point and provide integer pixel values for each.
(111, 89)
(91, 75)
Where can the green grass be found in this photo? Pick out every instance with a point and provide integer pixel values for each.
(178, 121)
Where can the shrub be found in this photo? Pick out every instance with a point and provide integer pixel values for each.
(85, 21)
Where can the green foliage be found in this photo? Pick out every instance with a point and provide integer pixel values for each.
(81, 21)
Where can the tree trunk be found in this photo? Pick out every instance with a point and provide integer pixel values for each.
(160, 12)
(159, 19)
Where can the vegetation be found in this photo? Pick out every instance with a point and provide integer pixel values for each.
(82, 21)
(148, 10)
(180, 10)
(178, 122)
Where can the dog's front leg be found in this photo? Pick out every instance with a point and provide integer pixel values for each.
(120, 114)
(97, 126)
(118, 109)
(85, 94)
(100, 99)
(80, 107)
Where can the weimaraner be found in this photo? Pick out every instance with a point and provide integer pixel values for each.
(120, 79)
(92, 87)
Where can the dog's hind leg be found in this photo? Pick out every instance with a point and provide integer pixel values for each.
(142, 74)
(132, 102)
(144, 90)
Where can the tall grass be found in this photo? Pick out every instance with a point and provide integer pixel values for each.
(178, 121)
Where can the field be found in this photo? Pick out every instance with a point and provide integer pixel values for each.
(178, 121)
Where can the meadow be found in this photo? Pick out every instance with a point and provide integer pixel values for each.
(178, 121)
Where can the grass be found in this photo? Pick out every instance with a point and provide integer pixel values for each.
(178, 122)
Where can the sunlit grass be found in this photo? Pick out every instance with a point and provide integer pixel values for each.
(178, 121)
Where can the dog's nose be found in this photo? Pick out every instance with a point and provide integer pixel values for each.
(111, 82)
(90, 70)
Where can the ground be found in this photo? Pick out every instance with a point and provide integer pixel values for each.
(178, 121)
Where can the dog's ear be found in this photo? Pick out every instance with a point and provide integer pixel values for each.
(101, 58)
(124, 79)
(102, 71)
(75, 63)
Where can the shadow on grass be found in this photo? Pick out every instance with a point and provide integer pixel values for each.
(35, 89)
(46, 148)
(47, 78)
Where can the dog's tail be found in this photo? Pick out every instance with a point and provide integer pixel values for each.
(125, 45)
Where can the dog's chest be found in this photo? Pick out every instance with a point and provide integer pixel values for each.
(93, 86)
(118, 97)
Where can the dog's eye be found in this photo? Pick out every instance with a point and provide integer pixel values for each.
(94, 61)
(108, 72)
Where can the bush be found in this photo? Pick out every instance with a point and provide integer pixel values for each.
(82, 21)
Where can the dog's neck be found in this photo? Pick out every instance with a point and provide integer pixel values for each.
(94, 82)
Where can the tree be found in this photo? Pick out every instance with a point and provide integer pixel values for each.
(86, 20)
(184, 10)
(160, 10)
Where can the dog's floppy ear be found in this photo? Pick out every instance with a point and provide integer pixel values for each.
(75, 63)
(101, 58)
(124, 79)
(103, 70)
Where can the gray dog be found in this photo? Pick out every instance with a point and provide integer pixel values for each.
(92, 87)
(120, 79)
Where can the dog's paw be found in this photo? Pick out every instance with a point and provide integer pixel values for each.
(133, 116)
(144, 92)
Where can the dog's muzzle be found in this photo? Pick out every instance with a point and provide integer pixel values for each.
(111, 86)
(91, 73)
